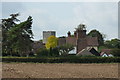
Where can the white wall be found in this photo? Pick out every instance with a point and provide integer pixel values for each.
(73, 51)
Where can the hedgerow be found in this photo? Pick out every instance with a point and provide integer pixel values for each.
(63, 59)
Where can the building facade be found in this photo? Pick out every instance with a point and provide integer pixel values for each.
(79, 40)
(47, 34)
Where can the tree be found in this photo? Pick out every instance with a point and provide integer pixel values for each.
(81, 27)
(42, 52)
(16, 36)
(95, 33)
(20, 35)
(116, 52)
(7, 24)
(64, 49)
(113, 43)
(51, 42)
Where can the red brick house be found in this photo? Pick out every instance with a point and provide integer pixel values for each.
(80, 40)
(106, 53)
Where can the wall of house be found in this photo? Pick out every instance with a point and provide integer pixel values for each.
(61, 41)
(95, 47)
(81, 34)
(71, 40)
(81, 44)
(73, 51)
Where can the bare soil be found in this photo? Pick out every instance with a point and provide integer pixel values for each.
(65, 70)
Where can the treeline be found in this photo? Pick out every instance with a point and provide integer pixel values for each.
(17, 40)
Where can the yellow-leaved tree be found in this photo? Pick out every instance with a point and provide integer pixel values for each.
(51, 42)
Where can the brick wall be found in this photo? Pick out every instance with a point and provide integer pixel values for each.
(81, 44)
(61, 41)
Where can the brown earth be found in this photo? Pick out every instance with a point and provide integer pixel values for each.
(65, 70)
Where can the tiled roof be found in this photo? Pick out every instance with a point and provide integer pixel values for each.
(71, 40)
(61, 41)
(107, 51)
(93, 51)
(92, 41)
(102, 53)
(37, 44)
(84, 52)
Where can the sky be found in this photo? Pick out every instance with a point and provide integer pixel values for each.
(66, 16)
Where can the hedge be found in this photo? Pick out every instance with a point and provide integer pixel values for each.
(64, 59)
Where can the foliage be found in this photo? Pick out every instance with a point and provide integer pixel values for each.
(21, 35)
(47, 52)
(7, 24)
(71, 59)
(87, 56)
(54, 51)
(95, 33)
(64, 49)
(116, 52)
(17, 36)
(42, 52)
(102, 47)
(81, 27)
(113, 43)
(51, 42)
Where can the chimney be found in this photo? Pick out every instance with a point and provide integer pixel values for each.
(69, 34)
(75, 34)
(81, 31)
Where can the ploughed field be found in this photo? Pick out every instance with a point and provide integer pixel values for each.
(63, 70)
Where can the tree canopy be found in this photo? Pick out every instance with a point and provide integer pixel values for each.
(51, 42)
(115, 52)
(17, 37)
(96, 33)
(7, 24)
(113, 43)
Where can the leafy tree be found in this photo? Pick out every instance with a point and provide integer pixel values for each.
(20, 35)
(95, 33)
(81, 27)
(48, 52)
(16, 36)
(54, 51)
(7, 24)
(116, 52)
(42, 52)
(64, 49)
(51, 42)
(113, 43)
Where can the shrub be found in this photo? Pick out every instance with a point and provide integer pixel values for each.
(47, 52)
(42, 52)
(54, 52)
(63, 59)
(115, 52)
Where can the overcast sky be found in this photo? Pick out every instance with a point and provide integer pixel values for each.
(65, 16)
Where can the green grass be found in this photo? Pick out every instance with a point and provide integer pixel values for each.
(101, 47)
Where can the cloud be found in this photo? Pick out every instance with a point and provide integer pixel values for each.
(101, 16)
(64, 17)
(39, 20)
(11, 8)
